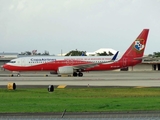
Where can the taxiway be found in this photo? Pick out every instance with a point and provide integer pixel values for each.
(105, 78)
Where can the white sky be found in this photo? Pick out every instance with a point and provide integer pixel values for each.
(85, 25)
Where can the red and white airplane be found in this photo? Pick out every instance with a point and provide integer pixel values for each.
(75, 65)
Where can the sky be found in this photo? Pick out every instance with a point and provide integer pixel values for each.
(85, 25)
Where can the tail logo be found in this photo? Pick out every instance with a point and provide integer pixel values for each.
(139, 44)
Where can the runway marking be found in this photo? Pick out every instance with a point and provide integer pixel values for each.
(61, 86)
(141, 86)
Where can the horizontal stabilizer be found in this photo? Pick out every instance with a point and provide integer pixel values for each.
(140, 58)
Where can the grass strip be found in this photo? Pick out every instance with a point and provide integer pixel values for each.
(79, 100)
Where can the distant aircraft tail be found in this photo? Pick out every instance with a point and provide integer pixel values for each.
(134, 53)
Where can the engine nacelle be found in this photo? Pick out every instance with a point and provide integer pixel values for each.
(65, 70)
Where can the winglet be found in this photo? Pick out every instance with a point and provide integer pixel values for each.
(115, 56)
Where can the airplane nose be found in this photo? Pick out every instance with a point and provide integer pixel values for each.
(1, 66)
(4, 66)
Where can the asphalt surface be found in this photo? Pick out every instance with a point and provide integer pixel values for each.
(108, 78)
(138, 114)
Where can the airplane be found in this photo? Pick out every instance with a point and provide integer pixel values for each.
(16, 66)
(76, 65)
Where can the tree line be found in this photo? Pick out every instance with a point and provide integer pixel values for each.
(155, 54)
(71, 53)
(34, 52)
(83, 53)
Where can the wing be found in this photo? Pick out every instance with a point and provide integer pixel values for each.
(90, 65)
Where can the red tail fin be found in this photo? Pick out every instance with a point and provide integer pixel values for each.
(136, 50)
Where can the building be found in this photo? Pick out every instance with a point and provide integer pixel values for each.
(8, 55)
(101, 50)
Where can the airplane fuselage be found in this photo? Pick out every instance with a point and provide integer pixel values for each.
(52, 63)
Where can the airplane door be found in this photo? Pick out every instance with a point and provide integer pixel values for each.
(23, 62)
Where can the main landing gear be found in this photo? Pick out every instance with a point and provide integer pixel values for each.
(18, 75)
(80, 74)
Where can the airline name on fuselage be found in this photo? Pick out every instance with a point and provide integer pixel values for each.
(42, 59)
(87, 58)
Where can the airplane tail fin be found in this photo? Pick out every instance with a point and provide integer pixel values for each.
(135, 52)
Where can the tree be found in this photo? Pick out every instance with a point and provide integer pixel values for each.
(45, 53)
(110, 53)
(34, 53)
(156, 54)
(102, 54)
(76, 53)
(28, 53)
(105, 54)
(25, 53)
(150, 55)
(38, 54)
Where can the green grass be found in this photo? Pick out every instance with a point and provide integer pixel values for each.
(79, 99)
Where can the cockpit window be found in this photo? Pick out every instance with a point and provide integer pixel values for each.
(12, 61)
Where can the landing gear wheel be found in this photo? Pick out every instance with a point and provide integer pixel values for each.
(12, 75)
(75, 74)
(18, 75)
(80, 74)
(59, 75)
